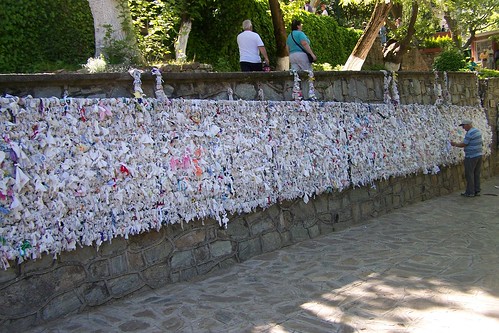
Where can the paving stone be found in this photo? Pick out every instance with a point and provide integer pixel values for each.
(134, 326)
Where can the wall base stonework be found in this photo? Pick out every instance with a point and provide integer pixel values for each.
(37, 291)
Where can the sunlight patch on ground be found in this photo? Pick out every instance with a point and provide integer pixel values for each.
(270, 328)
(409, 305)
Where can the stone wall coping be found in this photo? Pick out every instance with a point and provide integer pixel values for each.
(168, 76)
(83, 78)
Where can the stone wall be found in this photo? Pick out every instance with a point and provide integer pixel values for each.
(489, 92)
(47, 289)
(367, 87)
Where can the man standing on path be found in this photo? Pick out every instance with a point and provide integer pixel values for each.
(250, 46)
(472, 145)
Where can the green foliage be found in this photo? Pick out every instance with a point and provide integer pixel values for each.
(213, 37)
(444, 42)
(427, 23)
(155, 28)
(472, 16)
(44, 34)
(118, 51)
(326, 67)
(486, 73)
(450, 61)
(330, 42)
(351, 15)
(224, 65)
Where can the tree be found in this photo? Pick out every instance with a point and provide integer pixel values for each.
(469, 17)
(280, 36)
(351, 15)
(402, 35)
(183, 36)
(366, 41)
(107, 13)
(187, 10)
(395, 49)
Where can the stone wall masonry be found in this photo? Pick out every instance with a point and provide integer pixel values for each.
(368, 87)
(46, 289)
(489, 92)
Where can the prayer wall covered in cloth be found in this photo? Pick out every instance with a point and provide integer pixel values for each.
(79, 172)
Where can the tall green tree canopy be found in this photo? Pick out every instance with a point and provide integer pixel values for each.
(465, 18)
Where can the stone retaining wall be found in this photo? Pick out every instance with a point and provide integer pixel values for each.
(368, 87)
(489, 92)
(47, 289)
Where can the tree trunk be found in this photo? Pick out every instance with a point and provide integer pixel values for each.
(395, 50)
(470, 39)
(315, 4)
(279, 35)
(183, 38)
(106, 12)
(396, 12)
(366, 41)
(453, 28)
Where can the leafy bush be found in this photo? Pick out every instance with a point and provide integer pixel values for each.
(444, 42)
(119, 51)
(450, 61)
(485, 73)
(155, 28)
(44, 34)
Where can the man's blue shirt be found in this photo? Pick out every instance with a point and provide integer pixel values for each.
(473, 142)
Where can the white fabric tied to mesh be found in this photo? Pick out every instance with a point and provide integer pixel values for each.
(311, 86)
(390, 88)
(77, 175)
(137, 82)
(297, 94)
(158, 87)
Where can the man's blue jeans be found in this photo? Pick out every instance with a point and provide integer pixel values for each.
(472, 167)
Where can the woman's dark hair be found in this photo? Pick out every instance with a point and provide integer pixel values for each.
(295, 24)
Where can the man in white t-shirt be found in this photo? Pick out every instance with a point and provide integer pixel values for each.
(250, 47)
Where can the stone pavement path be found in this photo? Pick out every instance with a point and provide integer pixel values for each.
(429, 267)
